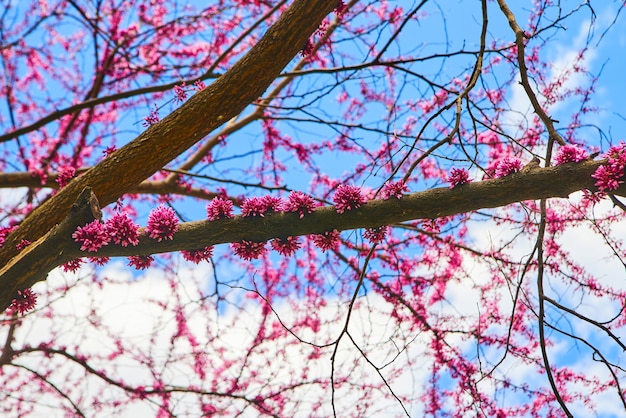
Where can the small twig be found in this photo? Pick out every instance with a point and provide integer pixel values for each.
(520, 36)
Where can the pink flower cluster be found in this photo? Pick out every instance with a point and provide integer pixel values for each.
(4, 232)
(152, 118)
(196, 256)
(610, 175)
(285, 246)
(72, 266)
(140, 262)
(249, 250)
(299, 202)
(92, 236)
(394, 189)
(507, 166)
(328, 240)
(347, 198)
(162, 223)
(120, 229)
(257, 206)
(24, 302)
(65, 175)
(570, 154)
(375, 235)
(180, 94)
(458, 177)
(219, 208)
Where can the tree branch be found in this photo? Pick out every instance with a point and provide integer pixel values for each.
(58, 247)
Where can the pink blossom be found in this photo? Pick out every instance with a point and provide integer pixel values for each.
(431, 225)
(199, 85)
(122, 230)
(219, 208)
(152, 118)
(162, 223)
(610, 175)
(65, 175)
(140, 262)
(4, 232)
(347, 198)
(99, 261)
(272, 203)
(22, 244)
(458, 177)
(254, 206)
(608, 178)
(507, 166)
(299, 202)
(285, 246)
(249, 250)
(394, 189)
(375, 235)
(109, 150)
(570, 154)
(592, 197)
(92, 236)
(328, 240)
(72, 266)
(180, 95)
(196, 256)
(24, 302)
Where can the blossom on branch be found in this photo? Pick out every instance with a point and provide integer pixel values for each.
(328, 240)
(72, 266)
(375, 235)
(272, 203)
(196, 256)
(66, 173)
(299, 202)
(254, 206)
(92, 236)
(22, 244)
(4, 232)
(507, 166)
(24, 302)
(122, 230)
(570, 154)
(394, 189)
(347, 198)
(458, 177)
(610, 175)
(219, 208)
(151, 119)
(285, 246)
(249, 250)
(162, 223)
(180, 95)
(140, 262)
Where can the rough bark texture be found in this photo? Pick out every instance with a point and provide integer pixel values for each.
(57, 247)
(161, 143)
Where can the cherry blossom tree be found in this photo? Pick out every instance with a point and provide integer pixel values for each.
(309, 208)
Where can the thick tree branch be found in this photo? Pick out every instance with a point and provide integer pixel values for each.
(57, 247)
(24, 179)
(161, 143)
